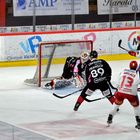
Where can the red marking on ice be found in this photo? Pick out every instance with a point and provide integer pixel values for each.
(75, 128)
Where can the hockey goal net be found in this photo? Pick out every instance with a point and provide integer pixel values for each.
(52, 56)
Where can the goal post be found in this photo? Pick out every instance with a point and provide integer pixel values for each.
(54, 53)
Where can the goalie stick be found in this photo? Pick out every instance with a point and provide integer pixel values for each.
(61, 97)
(119, 45)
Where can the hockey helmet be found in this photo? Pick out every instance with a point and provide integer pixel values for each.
(84, 56)
(138, 38)
(93, 54)
(133, 65)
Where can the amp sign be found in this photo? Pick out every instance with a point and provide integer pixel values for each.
(49, 7)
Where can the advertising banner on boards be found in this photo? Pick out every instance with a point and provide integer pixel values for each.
(25, 46)
(49, 7)
(118, 6)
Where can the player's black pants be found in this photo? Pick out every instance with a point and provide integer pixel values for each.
(102, 86)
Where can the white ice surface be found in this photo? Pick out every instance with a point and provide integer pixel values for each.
(36, 109)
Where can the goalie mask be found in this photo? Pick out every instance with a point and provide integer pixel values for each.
(84, 56)
(133, 65)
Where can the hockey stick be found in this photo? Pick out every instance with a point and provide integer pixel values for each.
(119, 45)
(88, 100)
(61, 97)
(110, 84)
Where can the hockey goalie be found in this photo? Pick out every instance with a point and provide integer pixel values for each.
(73, 73)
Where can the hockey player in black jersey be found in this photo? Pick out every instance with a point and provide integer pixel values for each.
(98, 74)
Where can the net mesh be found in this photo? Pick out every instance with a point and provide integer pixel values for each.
(55, 53)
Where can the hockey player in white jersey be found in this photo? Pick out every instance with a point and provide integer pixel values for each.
(127, 89)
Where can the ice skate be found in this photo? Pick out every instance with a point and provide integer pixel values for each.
(137, 127)
(109, 120)
(76, 106)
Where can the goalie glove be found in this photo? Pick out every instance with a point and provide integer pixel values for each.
(132, 53)
(79, 82)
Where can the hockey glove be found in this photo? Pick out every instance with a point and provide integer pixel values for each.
(132, 53)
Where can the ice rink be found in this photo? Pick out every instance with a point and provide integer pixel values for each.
(36, 111)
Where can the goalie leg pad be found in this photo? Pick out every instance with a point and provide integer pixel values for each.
(58, 83)
(62, 83)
